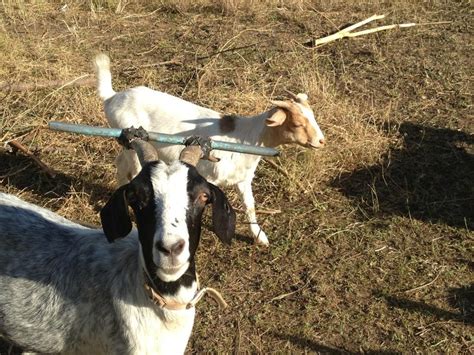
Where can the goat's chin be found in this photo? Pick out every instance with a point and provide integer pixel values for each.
(312, 146)
(172, 274)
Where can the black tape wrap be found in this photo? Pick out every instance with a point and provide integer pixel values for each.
(128, 135)
(203, 142)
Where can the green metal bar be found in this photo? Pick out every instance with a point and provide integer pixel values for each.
(161, 138)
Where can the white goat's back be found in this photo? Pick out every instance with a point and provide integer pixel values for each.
(160, 112)
(156, 112)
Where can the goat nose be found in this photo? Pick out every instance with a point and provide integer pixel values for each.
(161, 247)
(322, 141)
(178, 247)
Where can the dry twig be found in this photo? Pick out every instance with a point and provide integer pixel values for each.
(270, 211)
(82, 81)
(18, 146)
(346, 32)
(424, 285)
(157, 64)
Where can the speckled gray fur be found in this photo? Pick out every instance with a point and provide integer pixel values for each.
(65, 289)
(46, 281)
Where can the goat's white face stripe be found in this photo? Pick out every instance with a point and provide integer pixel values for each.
(308, 113)
(171, 201)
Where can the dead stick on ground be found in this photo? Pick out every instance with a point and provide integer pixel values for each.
(424, 285)
(284, 172)
(280, 297)
(346, 32)
(17, 145)
(259, 211)
(150, 65)
(82, 81)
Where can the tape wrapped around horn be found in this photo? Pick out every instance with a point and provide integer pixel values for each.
(137, 139)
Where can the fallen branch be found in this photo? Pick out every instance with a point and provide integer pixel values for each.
(167, 62)
(18, 146)
(259, 211)
(346, 32)
(284, 295)
(424, 285)
(84, 80)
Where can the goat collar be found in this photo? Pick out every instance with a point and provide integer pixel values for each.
(160, 301)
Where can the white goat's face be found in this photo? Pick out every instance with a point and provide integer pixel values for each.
(296, 122)
(168, 202)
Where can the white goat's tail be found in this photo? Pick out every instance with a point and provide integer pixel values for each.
(104, 77)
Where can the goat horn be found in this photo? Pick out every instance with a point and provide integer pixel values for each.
(288, 105)
(282, 104)
(191, 155)
(301, 98)
(293, 95)
(145, 151)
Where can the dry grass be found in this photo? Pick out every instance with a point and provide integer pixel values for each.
(376, 255)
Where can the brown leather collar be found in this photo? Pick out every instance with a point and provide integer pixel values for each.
(161, 302)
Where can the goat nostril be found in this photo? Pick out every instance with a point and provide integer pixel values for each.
(178, 247)
(322, 141)
(160, 247)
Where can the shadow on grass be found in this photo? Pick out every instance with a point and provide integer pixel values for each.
(9, 349)
(22, 173)
(308, 344)
(246, 239)
(461, 298)
(430, 178)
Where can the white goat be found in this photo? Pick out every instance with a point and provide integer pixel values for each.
(64, 289)
(290, 121)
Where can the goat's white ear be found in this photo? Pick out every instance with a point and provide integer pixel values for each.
(302, 97)
(277, 118)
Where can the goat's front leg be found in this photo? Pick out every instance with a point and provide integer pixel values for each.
(245, 191)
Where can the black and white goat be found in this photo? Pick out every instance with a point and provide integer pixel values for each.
(288, 122)
(65, 289)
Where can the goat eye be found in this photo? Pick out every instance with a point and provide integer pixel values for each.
(202, 197)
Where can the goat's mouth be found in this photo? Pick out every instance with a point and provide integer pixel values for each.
(171, 270)
(171, 273)
(318, 145)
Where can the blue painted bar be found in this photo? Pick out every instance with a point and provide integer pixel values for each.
(161, 138)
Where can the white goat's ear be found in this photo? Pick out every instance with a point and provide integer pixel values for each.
(277, 118)
(302, 97)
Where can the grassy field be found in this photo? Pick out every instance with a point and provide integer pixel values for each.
(376, 254)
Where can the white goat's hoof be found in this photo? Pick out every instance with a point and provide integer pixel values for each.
(262, 239)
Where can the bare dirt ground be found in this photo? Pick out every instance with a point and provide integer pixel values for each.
(376, 256)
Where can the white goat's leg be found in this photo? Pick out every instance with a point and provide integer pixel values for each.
(128, 166)
(245, 190)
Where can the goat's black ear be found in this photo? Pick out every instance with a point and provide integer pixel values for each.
(223, 215)
(115, 217)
